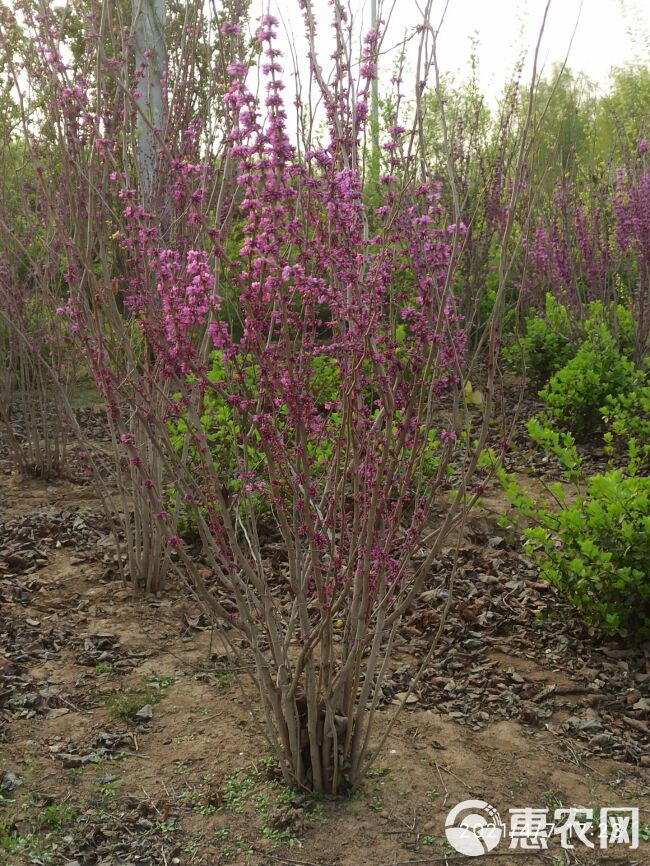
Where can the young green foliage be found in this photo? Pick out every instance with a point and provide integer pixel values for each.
(594, 548)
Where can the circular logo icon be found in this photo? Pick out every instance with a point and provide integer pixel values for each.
(473, 828)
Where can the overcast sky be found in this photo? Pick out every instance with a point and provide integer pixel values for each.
(609, 32)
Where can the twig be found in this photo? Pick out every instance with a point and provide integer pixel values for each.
(73, 706)
(442, 782)
(409, 827)
(451, 773)
(151, 801)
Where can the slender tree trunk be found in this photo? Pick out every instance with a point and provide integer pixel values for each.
(150, 62)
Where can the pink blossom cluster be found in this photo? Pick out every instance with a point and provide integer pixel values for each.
(312, 285)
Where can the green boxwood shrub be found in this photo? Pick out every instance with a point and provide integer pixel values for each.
(594, 548)
(546, 344)
(553, 337)
(575, 394)
(627, 419)
(597, 552)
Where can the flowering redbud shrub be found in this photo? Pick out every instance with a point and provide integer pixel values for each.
(464, 141)
(344, 372)
(33, 353)
(127, 167)
(342, 367)
(632, 213)
(595, 246)
(37, 361)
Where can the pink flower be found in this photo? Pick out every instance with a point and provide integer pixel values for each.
(229, 28)
(175, 541)
(237, 69)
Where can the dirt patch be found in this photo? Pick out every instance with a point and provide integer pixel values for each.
(127, 739)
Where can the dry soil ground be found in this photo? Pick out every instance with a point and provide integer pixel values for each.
(126, 738)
